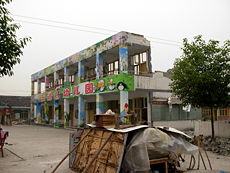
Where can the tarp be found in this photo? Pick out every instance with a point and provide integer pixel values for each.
(152, 143)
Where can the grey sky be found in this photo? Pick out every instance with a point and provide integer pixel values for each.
(166, 19)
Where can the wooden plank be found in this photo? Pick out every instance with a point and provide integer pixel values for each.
(157, 161)
(109, 158)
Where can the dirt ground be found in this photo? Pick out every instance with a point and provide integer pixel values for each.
(43, 148)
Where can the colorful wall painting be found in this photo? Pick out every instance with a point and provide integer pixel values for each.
(38, 112)
(56, 113)
(120, 82)
(99, 66)
(124, 100)
(81, 111)
(123, 56)
(120, 38)
(81, 71)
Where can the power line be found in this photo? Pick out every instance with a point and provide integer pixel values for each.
(66, 23)
(86, 26)
(164, 39)
(62, 27)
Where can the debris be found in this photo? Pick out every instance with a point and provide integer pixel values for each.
(131, 149)
(219, 145)
(15, 154)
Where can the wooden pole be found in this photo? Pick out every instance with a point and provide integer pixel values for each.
(208, 159)
(70, 152)
(98, 152)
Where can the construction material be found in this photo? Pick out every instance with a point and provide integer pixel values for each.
(115, 120)
(98, 152)
(71, 151)
(158, 161)
(198, 142)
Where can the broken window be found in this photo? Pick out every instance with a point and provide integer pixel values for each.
(113, 68)
(139, 64)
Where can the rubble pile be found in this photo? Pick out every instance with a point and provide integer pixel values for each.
(219, 146)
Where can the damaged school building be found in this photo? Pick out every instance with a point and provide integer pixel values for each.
(115, 73)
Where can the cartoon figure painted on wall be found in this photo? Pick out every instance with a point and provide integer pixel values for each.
(111, 84)
(121, 86)
(125, 112)
(101, 85)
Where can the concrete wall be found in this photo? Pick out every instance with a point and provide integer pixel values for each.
(179, 124)
(156, 82)
(222, 128)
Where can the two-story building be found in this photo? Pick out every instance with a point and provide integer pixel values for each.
(115, 73)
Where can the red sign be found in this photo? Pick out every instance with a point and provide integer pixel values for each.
(76, 91)
(42, 97)
(89, 88)
(66, 92)
(49, 96)
(56, 95)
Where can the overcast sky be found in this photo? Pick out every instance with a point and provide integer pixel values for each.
(159, 19)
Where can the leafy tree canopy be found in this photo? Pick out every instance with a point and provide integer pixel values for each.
(10, 46)
(201, 77)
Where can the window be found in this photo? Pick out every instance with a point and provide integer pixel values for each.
(139, 65)
(113, 68)
(223, 112)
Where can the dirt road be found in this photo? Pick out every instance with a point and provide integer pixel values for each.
(43, 147)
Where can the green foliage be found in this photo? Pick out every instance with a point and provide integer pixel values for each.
(201, 77)
(10, 46)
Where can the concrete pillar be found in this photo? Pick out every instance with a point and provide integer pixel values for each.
(56, 113)
(99, 104)
(81, 71)
(75, 120)
(123, 58)
(66, 101)
(149, 109)
(35, 111)
(81, 100)
(46, 83)
(76, 80)
(46, 109)
(148, 60)
(38, 86)
(66, 77)
(66, 113)
(81, 111)
(31, 115)
(38, 112)
(124, 101)
(32, 88)
(56, 78)
(99, 66)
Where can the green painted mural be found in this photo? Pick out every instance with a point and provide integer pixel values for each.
(120, 82)
(121, 38)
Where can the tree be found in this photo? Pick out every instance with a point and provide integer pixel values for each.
(10, 46)
(201, 77)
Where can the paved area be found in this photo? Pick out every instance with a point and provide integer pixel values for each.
(43, 148)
